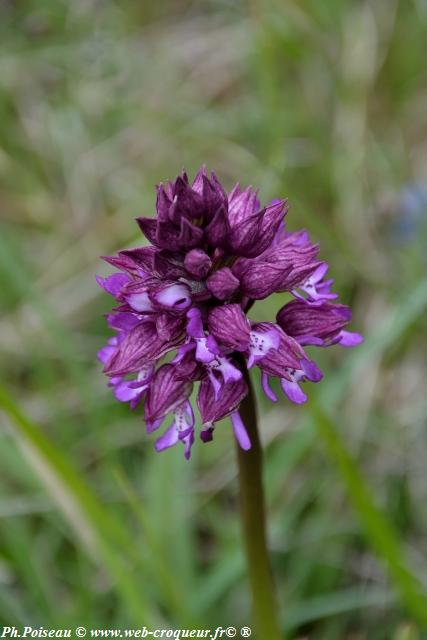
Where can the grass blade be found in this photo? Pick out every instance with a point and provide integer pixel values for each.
(378, 529)
(103, 536)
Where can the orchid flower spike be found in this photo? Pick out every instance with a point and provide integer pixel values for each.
(210, 255)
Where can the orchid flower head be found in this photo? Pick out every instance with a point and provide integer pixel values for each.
(181, 309)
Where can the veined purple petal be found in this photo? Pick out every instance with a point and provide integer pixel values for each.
(218, 229)
(273, 220)
(255, 233)
(141, 256)
(213, 409)
(139, 347)
(230, 326)
(281, 267)
(216, 383)
(242, 204)
(148, 227)
(245, 238)
(198, 181)
(124, 263)
(132, 351)
(168, 265)
(187, 203)
(166, 393)
(280, 234)
(174, 238)
(320, 324)
(260, 279)
(190, 235)
(212, 192)
(221, 195)
(163, 202)
(169, 326)
(189, 368)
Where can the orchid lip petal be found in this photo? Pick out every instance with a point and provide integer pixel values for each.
(203, 353)
(240, 431)
(293, 391)
(261, 342)
(350, 339)
(195, 324)
(125, 393)
(267, 389)
(181, 430)
(311, 370)
(320, 272)
(168, 439)
(216, 384)
(152, 426)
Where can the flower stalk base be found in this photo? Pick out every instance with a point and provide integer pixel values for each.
(252, 505)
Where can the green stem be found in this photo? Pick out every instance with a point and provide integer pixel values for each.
(264, 605)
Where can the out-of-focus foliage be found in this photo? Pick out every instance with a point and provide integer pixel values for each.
(323, 102)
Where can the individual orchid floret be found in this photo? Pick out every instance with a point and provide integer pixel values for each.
(321, 325)
(166, 394)
(316, 289)
(181, 429)
(214, 407)
(182, 303)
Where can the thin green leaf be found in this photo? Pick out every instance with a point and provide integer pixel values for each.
(378, 529)
(103, 536)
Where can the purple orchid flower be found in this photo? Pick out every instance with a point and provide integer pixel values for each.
(187, 294)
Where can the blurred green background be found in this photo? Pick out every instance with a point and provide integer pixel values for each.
(324, 102)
